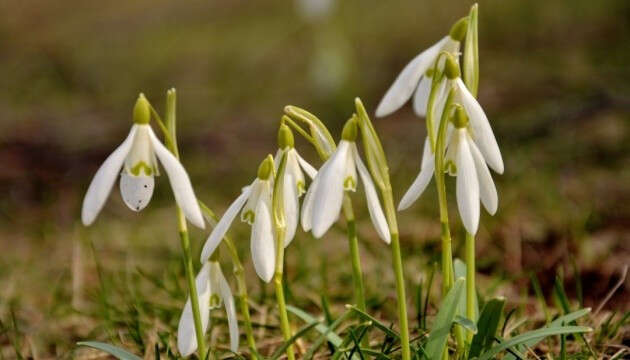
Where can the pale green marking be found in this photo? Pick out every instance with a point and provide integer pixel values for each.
(141, 165)
(349, 183)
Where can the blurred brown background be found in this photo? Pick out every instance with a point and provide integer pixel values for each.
(554, 83)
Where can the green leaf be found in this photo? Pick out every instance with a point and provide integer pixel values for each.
(466, 323)
(323, 329)
(378, 324)
(443, 321)
(110, 349)
(536, 334)
(327, 335)
(487, 324)
(459, 269)
(280, 351)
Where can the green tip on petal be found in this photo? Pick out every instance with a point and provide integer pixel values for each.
(142, 110)
(458, 30)
(451, 68)
(460, 120)
(285, 136)
(265, 168)
(350, 130)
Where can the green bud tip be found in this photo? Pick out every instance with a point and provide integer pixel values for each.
(460, 119)
(458, 30)
(451, 68)
(350, 130)
(265, 168)
(142, 110)
(429, 72)
(285, 137)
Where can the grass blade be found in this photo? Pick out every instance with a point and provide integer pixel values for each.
(488, 324)
(110, 349)
(323, 329)
(375, 322)
(280, 351)
(443, 321)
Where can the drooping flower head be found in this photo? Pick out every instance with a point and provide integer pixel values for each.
(254, 204)
(138, 158)
(294, 182)
(324, 199)
(213, 291)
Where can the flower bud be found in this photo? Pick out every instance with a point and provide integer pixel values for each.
(265, 168)
(451, 68)
(350, 130)
(460, 119)
(142, 110)
(285, 137)
(458, 30)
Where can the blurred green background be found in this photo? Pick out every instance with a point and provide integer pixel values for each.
(555, 83)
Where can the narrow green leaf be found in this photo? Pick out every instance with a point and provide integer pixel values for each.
(280, 351)
(488, 324)
(471, 53)
(466, 323)
(327, 335)
(535, 334)
(110, 349)
(323, 329)
(375, 322)
(443, 321)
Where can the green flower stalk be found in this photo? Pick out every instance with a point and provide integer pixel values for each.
(380, 172)
(280, 225)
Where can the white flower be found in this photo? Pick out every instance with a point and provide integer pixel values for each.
(137, 157)
(323, 201)
(255, 202)
(474, 182)
(294, 187)
(416, 76)
(479, 132)
(212, 290)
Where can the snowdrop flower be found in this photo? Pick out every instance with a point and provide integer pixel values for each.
(137, 156)
(478, 130)
(323, 201)
(295, 185)
(417, 75)
(474, 182)
(255, 202)
(212, 290)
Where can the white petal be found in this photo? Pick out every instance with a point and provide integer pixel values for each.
(104, 179)
(180, 183)
(295, 170)
(421, 97)
(308, 169)
(223, 225)
(374, 204)
(136, 191)
(438, 106)
(350, 175)
(186, 336)
(307, 206)
(329, 195)
(230, 309)
(291, 208)
(422, 180)
(407, 81)
(487, 190)
(262, 243)
(481, 130)
(467, 185)
(248, 214)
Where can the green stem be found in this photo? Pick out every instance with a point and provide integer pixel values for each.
(447, 251)
(353, 241)
(390, 212)
(470, 280)
(239, 274)
(277, 279)
(168, 131)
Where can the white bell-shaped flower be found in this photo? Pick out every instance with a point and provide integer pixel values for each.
(294, 181)
(324, 198)
(255, 207)
(137, 157)
(417, 75)
(213, 290)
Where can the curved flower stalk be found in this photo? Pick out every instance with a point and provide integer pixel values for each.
(324, 198)
(254, 203)
(417, 75)
(137, 157)
(295, 184)
(213, 291)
